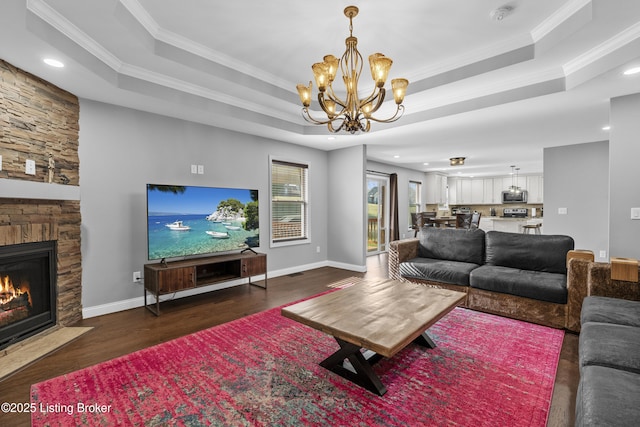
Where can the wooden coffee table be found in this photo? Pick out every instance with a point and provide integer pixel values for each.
(380, 317)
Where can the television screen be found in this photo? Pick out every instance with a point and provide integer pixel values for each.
(189, 220)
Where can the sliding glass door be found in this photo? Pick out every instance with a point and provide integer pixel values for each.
(377, 213)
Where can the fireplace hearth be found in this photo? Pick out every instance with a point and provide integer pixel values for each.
(27, 290)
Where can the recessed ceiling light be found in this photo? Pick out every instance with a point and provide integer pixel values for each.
(53, 62)
(426, 164)
(630, 71)
(396, 156)
(606, 127)
(331, 138)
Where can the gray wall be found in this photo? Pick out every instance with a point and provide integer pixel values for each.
(121, 150)
(576, 177)
(624, 152)
(347, 208)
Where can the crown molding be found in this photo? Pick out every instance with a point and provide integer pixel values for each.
(605, 48)
(49, 15)
(159, 34)
(562, 15)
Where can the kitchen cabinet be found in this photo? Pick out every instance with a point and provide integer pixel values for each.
(535, 188)
(436, 185)
(477, 191)
(489, 194)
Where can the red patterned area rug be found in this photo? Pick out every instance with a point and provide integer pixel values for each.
(262, 370)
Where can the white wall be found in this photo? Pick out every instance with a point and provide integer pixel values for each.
(576, 178)
(121, 150)
(624, 152)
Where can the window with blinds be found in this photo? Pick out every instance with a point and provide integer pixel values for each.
(289, 201)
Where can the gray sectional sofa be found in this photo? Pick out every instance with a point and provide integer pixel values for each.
(609, 361)
(515, 275)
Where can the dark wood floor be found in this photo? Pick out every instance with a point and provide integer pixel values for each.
(124, 332)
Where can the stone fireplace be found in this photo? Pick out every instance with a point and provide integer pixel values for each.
(38, 223)
(39, 123)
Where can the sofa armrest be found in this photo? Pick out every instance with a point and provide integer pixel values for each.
(601, 284)
(399, 252)
(577, 290)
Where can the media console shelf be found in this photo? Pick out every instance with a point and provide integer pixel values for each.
(167, 278)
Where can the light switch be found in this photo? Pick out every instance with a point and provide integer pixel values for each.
(30, 167)
(635, 213)
(200, 169)
(194, 168)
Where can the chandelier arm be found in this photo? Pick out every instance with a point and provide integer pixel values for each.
(309, 118)
(378, 98)
(332, 96)
(399, 112)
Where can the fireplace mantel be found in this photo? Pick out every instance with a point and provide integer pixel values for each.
(16, 189)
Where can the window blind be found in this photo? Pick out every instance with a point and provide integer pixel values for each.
(289, 203)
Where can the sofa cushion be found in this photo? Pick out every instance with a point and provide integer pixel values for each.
(610, 310)
(613, 346)
(546, 253)
(452, 244)
(607, 397)
(538, 285)
(438, 270)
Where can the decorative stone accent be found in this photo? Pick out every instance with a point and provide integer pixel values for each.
(38, 119)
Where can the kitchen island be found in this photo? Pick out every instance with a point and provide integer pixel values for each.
(508, 224)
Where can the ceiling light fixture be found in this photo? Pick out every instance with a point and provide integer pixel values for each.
(456, 161)
(631, 71)
(351, 114)
(53, 62)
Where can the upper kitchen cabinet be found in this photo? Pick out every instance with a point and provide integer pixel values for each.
(477, 192)
(535, 188)
(436, 185)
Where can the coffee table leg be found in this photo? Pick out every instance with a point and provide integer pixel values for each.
(363, 375)
(425, 340)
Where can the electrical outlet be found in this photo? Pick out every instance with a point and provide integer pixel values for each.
(562, 211)
(603, 254)
(200, 169)
(30, 167)
(137, 277)
(318, 249)
(635, 212)
(194, 168)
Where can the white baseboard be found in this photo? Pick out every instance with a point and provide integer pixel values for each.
(114, 307)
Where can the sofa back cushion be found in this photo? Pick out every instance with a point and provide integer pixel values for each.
(547, 253)
(464, 245)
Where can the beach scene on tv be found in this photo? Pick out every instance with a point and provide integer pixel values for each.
(190, 220)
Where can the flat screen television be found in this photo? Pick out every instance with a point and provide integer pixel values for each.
(184, 220)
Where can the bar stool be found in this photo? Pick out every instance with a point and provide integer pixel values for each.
(528, 227)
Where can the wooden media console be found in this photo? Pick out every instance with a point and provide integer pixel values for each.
(167, 278)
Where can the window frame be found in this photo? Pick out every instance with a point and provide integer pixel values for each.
(305, 237)
(418, 199)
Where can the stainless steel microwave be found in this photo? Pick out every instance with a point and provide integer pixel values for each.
(514, 197)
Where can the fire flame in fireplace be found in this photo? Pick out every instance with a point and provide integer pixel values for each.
(9, 292)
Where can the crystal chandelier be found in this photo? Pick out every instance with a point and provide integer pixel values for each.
(351, 114)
